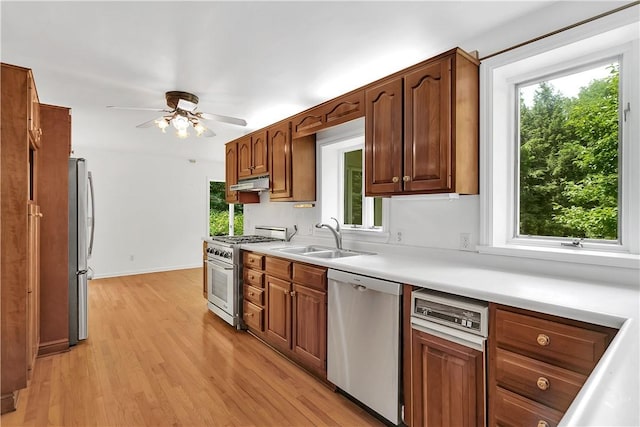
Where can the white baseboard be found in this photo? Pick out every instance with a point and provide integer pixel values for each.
(147, 270)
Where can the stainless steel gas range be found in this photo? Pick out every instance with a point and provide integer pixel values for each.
(224, 271)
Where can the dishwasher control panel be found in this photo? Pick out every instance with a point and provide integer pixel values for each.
(450, 310)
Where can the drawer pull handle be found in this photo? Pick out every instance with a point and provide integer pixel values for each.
(251, 277)
(543, 383)
(250, 294)
(543, 423)
(543, 340)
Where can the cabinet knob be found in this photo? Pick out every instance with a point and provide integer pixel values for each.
(395, 179)
(542, 383)
(543, 423)
(293, 293)
(406, 178)
(543, 340)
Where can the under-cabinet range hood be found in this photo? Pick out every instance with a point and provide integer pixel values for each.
(253, 184)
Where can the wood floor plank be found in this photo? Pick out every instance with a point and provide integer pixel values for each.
(156, 356)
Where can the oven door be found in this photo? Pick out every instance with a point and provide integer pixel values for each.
(221, 291)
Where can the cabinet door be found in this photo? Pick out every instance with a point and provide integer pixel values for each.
(245, 165)
(33, 286)
(427, 128)
(383, 138)
(278, 306)
(447, 384)
(259, 151)
(231, 172)
(280, 168)
(310, 326)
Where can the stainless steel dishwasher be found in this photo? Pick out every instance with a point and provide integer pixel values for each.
(363, 340)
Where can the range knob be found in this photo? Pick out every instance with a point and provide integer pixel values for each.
(227, 255)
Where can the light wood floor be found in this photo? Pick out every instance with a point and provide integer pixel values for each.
(156, 356)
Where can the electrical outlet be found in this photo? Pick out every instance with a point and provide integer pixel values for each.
(131, 257)
(399, 236)
(465, 241)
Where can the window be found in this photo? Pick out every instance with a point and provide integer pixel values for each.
(342, 177)
(358, 211)
(223, 219)
(559, 146)
(568, 131)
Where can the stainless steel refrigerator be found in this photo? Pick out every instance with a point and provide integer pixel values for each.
(81, 232)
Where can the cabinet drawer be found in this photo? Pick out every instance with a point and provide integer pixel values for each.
(278, 267)
(542, 382)
(565, 345)
(253, 277)
(514, 411)
(254, 260)
(254, 295)
(310, 276)
(253, 316)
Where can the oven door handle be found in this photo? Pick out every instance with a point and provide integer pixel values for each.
(219, 265)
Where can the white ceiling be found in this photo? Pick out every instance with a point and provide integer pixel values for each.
(261, 61)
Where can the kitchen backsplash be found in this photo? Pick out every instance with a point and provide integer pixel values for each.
(414, 221)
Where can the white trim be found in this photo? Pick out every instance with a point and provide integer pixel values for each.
(587, 43)
(147, 270)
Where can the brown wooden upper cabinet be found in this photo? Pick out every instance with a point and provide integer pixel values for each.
(253, 155)
(292, 165)
(231, 177)
(421, 129)
(347, 107)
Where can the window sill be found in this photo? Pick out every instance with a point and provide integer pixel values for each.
(568, 255)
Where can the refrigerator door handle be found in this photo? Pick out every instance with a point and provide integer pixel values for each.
(93, 214)
(89, 273)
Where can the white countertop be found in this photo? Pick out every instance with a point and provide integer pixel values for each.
(611, 394)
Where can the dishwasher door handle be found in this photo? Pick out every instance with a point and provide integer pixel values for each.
(360, 288)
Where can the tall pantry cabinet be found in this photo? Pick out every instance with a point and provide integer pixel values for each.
(53, 198)
(20, 230)
(36, 143)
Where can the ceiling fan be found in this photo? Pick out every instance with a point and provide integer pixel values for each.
(182, 114)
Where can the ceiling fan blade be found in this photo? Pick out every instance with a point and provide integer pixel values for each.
(208, 133)
(163, 110)
(219, 118)
(150, 123)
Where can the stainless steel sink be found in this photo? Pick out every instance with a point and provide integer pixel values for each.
(315, 251)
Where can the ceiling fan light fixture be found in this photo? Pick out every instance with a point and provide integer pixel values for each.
(163, 124)
(180, 122)
(182, 133)
(199, 128)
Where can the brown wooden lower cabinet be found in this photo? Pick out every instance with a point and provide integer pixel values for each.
(278, 310)
(448, 383)
(310, 326)
(537, 364)
(286, 305)
(513, 410)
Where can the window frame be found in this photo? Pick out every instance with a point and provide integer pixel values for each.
(587, 44)
(514, 232)
(336, 142)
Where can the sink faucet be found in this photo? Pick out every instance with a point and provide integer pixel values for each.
(336, 232)
(289, 236)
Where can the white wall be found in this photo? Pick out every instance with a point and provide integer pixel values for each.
(151, 210)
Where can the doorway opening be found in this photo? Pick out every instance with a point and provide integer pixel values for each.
(224, 218)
